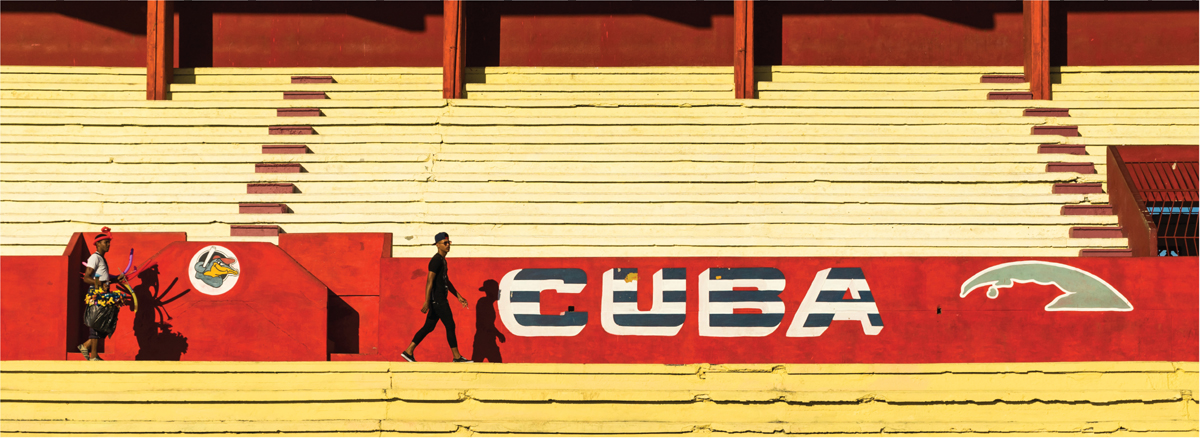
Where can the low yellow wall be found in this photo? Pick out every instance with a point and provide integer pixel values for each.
(380, 398)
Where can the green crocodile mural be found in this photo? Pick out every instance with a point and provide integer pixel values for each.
(1082, 290)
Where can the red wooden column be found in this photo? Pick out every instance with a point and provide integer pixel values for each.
(1037, 47)
(743, 55)
(453, 60)
(160, 45)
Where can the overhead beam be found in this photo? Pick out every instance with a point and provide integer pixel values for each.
(1037, 47)
(160, 49)
(453, 59)
(743, 58)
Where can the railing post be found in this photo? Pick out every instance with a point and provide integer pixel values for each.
(1036, 14)
(160, 45)
(743, 58)
(453, 59)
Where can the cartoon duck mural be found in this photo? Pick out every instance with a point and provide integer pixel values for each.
(214, 271)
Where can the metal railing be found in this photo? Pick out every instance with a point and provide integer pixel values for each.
(1169, 191)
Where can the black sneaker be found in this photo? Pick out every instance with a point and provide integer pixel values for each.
(464, 360)
(408, 357)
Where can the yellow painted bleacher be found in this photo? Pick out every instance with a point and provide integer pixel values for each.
(549, 162)
(362, 398)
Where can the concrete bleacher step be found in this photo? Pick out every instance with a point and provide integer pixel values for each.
(382, 397)
(567, 213)
(656, 152)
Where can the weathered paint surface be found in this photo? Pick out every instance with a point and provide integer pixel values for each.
(649, 310)
(276, 310)
(809, 310)
(1126, 398)
(667, 152)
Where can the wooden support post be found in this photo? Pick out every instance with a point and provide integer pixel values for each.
(1037, 47)
(743, 45)
(160, 49)
(453, 59)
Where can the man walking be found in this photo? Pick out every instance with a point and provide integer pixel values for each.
(102, 304)
(437, 307)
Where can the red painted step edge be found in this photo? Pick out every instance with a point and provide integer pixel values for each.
(270, 188)
(254, 230)
(1106, 252)
(1047, 112)
(291, 130)
(1096, 233)
(284, 149)
(1071, 167)
(1077, 188)
(1086, 210)
(298, 112)
(291, 95)
(1072, 149)
(1002, 79)
(247, 208)
(1010, 95)
(1065, 131)
(312, 79)
(278, 168)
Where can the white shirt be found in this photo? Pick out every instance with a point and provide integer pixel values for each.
(97, 263)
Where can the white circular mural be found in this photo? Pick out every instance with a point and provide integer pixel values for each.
(214, 270)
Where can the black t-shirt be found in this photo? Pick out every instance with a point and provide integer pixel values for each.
(441, 279)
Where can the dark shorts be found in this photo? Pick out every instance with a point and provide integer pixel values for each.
(93, 334)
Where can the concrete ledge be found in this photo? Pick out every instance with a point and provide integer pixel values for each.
(254, 230)
(1078, 188)
(270, 188)
(1096, 233)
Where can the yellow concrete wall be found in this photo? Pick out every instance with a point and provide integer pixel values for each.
(372, 398)
(548, 162)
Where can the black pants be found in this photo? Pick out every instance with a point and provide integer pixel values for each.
(438, 310)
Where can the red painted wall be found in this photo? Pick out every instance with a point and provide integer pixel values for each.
(1125, 33)
(105, 34)
(274, 312)
(311, 34)
(889, 33)
(348, 263)
(925, 320)
(346, 34)
(33, 317)
(599, 34)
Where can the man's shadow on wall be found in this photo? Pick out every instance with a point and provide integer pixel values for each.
(486, 333)
(156, 340)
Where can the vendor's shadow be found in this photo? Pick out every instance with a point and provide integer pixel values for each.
(156, 340)
(486, 333)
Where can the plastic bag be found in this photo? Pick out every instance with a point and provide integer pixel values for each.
(102, 319)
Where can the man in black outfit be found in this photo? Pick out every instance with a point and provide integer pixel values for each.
(436, 304)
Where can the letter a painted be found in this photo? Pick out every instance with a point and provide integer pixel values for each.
(824, 304)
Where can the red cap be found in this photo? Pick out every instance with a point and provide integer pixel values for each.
(102, 236)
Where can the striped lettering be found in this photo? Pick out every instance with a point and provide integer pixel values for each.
(619, 314)
(722, 290)
(825, 302)
(520, 302)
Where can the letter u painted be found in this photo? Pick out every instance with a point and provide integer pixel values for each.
(620, 316)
